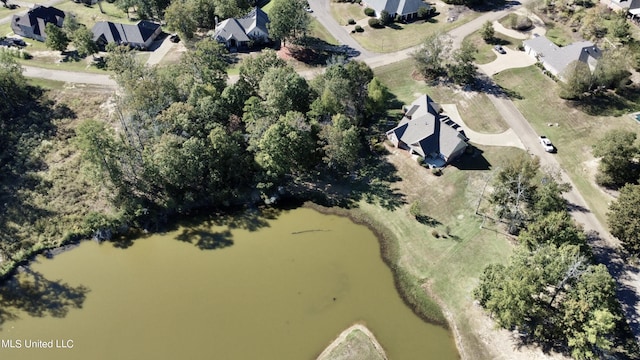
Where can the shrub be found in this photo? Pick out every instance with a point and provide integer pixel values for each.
(369, 12)
(420, 159)
(398, 18)
(375, 23)
(357, 1)
(385, 17)
(351, 22)
(423, 12)
(359, 28)
(414, 209)
(520, 22)
(436, 171)
(435, 234)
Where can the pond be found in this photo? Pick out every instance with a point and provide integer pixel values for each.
(249, 288)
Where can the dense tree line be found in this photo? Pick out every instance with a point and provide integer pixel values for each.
(185, 139)
(551, 292)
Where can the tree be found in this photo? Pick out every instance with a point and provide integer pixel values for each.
(588, 314)
(548, 196)
(611, 71)
(341, 144)
(288, 19)
(487, 32)
(179, 17)
(82, 39)
(286, 148)
(56, 38)
(463, 70)
(230, 8)
(431, 57)
(514, 191)
(556, 228)
(578, 81)
(253, 69)
(624, 218)
(283, 90)
(207, 64)
(618, 163)
(378, 96)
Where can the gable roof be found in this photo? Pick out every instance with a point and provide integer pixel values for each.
(124, 33)
(239, 28)
(230, 29)
(560, 57)
(38, 17)
(426, 132)
(400, 7)
(256, 18)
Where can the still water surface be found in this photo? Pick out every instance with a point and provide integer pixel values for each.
(282, 291)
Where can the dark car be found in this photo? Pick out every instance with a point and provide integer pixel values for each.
(500, 49)
(174, 38)
(15, 42)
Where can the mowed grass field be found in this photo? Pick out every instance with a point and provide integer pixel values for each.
(576, 131)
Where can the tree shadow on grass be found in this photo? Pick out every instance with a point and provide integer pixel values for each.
(427, 220)
(38, 296)
(609, 103)
(316, 52)
(486, 85)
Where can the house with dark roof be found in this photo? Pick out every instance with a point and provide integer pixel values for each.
(407, 9)
(556, 59)
(426, 132)
(138, 36)
(235, 33)
(33, 23)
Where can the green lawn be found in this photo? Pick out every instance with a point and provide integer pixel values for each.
(558, 34)
(576, 131)
(89, 15)
(402, 36)
(485, 53)
(342, 12)
(475, 108)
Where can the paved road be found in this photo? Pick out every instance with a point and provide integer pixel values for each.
(69, 76)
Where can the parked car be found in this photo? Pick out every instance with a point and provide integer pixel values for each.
(499, 49)
(547, 145)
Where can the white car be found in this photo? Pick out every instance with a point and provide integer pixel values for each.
(547, 145)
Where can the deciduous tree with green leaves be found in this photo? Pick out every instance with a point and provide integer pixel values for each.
(341, 144)
(289, 20)
(624, 218)
(56, 38)
(180, 18)
(432, 56)
(618, 154)
(487, 32)
(82, 39)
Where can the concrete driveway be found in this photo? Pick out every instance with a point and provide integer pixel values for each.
(507, 138)
(512, 59)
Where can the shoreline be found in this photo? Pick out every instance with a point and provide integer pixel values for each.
(343, 336)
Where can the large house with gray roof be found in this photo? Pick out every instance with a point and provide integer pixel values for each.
(33, 23)
(556, 59)
(236, 33)
(425, 131)
(138, 36)
(407, 9)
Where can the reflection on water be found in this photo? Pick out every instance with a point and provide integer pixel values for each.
(280, 286)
